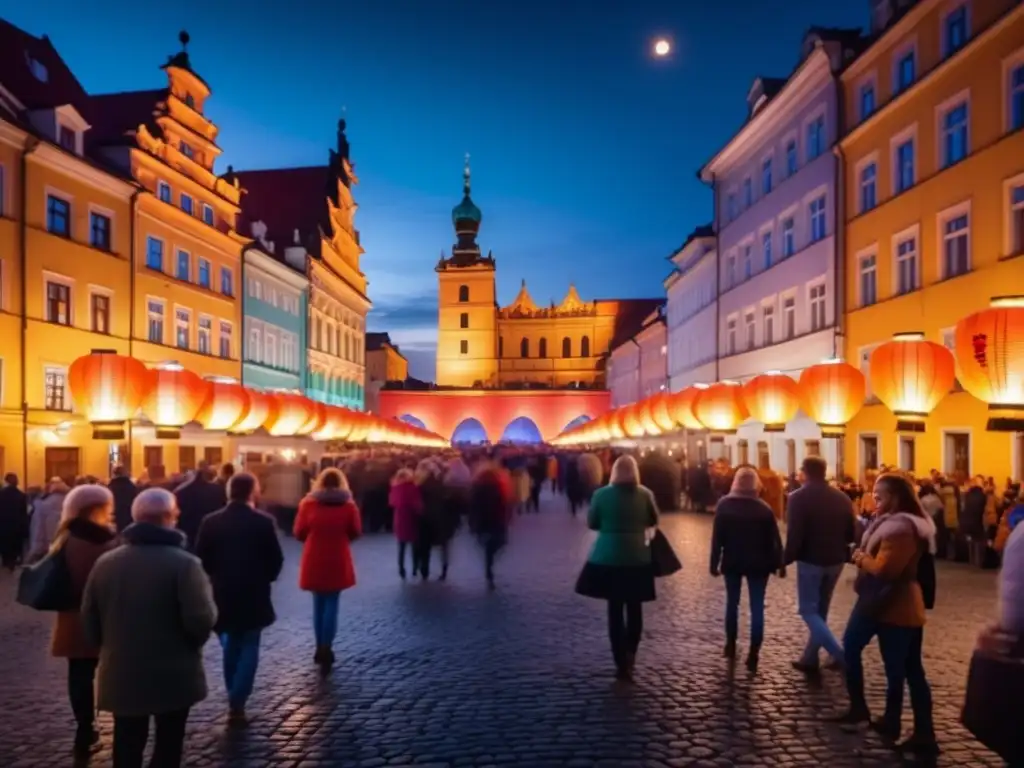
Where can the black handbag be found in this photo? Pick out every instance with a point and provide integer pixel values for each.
(992, 703)
(664, 560)
(46, 586)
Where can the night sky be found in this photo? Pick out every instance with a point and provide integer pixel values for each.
(584, 147)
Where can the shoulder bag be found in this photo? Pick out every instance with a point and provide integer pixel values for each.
(46, 585)
(664, 560)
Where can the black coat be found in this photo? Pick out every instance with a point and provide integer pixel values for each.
(746, 540)
(13, 519)
(240, 551)
(197, 498)
(124, 491)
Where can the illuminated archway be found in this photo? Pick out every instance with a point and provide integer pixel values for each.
(521, 430)
(579, 420)
(469, 431)
(408, 418)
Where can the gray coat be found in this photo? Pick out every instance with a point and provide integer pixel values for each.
(149, 608)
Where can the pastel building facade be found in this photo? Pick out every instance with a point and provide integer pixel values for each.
(691, 311)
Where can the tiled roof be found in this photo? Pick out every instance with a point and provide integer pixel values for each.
(377, 340)
(630, 320)
(286, 199)
(55, 84)
(117, 115)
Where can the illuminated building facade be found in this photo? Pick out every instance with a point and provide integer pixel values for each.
(933, 149)
(384, 363)
(691, 311)
(637, 367)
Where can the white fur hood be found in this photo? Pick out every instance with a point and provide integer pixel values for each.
(894, 525)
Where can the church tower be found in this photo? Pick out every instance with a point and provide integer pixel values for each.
(467, 311)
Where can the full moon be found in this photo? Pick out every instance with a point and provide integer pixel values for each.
(662, 47)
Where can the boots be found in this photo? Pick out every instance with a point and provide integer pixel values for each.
(730, 648)
(87, 741)
(753, 657)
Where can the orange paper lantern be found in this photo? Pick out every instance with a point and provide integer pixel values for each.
(990, 356)
(631, 421)
(226, 404)
(646, 416)
(172, 399)
(680, 407)
(107, 388)
(720, 407)
(660, 413)
(911, 375)
(772, 398)
(289, 412)
(255, 416)
(832, 393)
(317, 418)
(616, 429)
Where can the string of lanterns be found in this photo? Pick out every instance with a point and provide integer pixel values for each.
(908, 374)
(109, 389)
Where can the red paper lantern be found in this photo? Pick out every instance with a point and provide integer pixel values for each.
(107, 388)
(172, 399)
(645, 415)
(720, 407)
(680, 407)
(317, 418)
(832, 393)
(660, 412)
(990, 356)
(257, 413)
(289, 412)
(631, 421)
(226, 404)
(616, 428)
(911, 375)
(772, 398)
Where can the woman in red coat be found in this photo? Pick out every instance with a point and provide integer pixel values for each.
(326, 522)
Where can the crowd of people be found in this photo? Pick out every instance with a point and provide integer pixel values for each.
(157, 568)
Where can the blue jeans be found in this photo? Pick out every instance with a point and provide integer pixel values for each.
(901, 658)
(815, 585)
(325, 617)
(756, 586)
(241, 658)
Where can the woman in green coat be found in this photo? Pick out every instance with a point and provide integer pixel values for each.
(619, 567)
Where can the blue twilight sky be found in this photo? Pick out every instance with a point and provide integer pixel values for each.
(584, 147)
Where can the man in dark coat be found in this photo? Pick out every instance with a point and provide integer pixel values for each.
(197, 498)
(13, 522)
(240, 552)
(124, 491)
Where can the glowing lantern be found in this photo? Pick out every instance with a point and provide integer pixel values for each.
(317, 418)
(773, 398)
(336, 426)
(911, 375)
(172, 399)
(631, 421)
(226, 403)
(107, 388)
(660, 413)
(360, 427)
(990, 355)
(616, 429)
(646, 417)
(832, 393)
(680, 407)
(288, 413)
(255, 416)
(720, 407)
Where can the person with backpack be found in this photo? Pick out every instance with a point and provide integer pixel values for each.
(895, 585)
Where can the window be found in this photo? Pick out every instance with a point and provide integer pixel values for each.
(817, 300)
(464, 347)
(99, 310)
(99, 231)
(207, 214)
(868, 280)
(186, 203)
(956, 255)
(543, 348)
(748, 192)
(255, 345)
(730, 206)
(906, 265)
(954, 135)
(766, 248)
(816, 211)
(789, 316)
(768, 315)
(463, 293)
(190, 101)
(524, 347)
(155, 253)
(56, 382)
(870, 398)
(751, 325)
(868, 187)
(815, 138)
(155, 311)
(204, 273)
(67, 138)
(163, 191)
(566, 347)
(791, 158)
(270, 347)
(1017, 98)
(730, 336)
(585, 346)
(227, 281)
(58, 216)
(225, 339)
(1017, 218)
(955, 30)
(748, 261)
(730, 270)
(182, 328)
(464, 320)
(867, 100)
(904, 175)
(205, 332)
(906, 69)
(183, 270)
(766, 176)
(788, 239)
(58, 303)
(186, 150)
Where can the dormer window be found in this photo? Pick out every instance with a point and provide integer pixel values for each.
(37, 68)
(67, 138)
(187, 150)
(190, 102)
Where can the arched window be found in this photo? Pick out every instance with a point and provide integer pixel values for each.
(585, 347)
(524, 347)
(463, 293)
(566, 347)
(543, 348)
(501, 346)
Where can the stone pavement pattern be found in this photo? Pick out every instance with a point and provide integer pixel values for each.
(448, 674)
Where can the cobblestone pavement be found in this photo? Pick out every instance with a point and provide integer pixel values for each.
(448, 674)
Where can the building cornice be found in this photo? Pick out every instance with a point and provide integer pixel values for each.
(185, 225)
(262, 260)
(72, 165)
(12, 135)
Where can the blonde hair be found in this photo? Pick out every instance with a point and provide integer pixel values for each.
(746, 482)
(331, 479)
(625, 471)
(81, 502)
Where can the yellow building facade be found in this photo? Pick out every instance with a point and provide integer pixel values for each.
(933, 158)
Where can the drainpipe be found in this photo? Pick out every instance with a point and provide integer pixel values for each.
(133, 205)
(243, 291)
(839, 253)
(30, 146)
